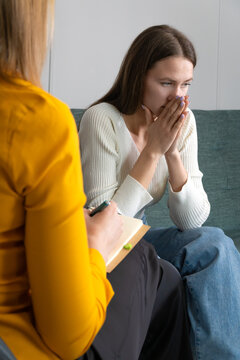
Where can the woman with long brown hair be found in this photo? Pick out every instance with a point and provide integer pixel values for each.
(140, 138)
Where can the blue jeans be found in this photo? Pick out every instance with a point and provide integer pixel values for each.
(209, 264)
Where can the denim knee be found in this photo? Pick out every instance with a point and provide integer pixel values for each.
(201, 248)
(216, 237)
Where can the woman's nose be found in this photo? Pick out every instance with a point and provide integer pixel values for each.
(176, 91)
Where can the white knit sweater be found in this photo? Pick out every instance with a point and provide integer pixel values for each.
(108, 154)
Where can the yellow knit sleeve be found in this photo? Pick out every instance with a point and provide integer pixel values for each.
(68, 282)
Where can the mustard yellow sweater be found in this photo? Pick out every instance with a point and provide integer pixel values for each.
(53, 289)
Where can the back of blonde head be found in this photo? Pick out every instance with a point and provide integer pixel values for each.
(23, 37)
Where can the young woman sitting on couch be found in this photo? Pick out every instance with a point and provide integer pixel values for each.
(141, 137)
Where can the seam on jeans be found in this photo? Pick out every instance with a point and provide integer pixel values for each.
(188, 287)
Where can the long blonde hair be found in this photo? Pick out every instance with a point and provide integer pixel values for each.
(24, 36)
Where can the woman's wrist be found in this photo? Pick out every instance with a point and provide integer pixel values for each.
(173, 155)
(151, 155)
(145, 166)
(177, 174)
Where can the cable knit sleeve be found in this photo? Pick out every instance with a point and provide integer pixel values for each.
(105, 171)
(190, 207)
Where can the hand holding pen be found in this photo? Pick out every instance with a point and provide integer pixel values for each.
(99, 208)
(104, 227)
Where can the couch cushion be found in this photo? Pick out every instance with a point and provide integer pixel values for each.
(219, 159)
(77, 113)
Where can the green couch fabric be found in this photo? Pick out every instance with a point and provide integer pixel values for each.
(219, 160)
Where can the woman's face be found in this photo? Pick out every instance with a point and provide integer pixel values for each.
(168, 78)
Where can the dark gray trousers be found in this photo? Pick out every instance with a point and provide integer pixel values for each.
(146, 319)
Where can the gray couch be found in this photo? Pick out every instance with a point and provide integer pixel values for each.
(219, 160)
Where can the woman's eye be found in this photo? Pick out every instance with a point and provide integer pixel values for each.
(166, 83)
(186, 84)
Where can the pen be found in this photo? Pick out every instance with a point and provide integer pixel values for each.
(99, 208)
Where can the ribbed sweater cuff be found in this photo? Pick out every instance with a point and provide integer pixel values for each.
(182, 196)
(131, 197)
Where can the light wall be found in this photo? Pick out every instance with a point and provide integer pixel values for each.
(92, 36)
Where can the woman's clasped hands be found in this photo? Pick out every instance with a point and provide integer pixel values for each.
(164, 129)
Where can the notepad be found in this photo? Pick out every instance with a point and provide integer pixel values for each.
(133, 231)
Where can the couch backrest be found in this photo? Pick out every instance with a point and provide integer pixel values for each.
(219, 160)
